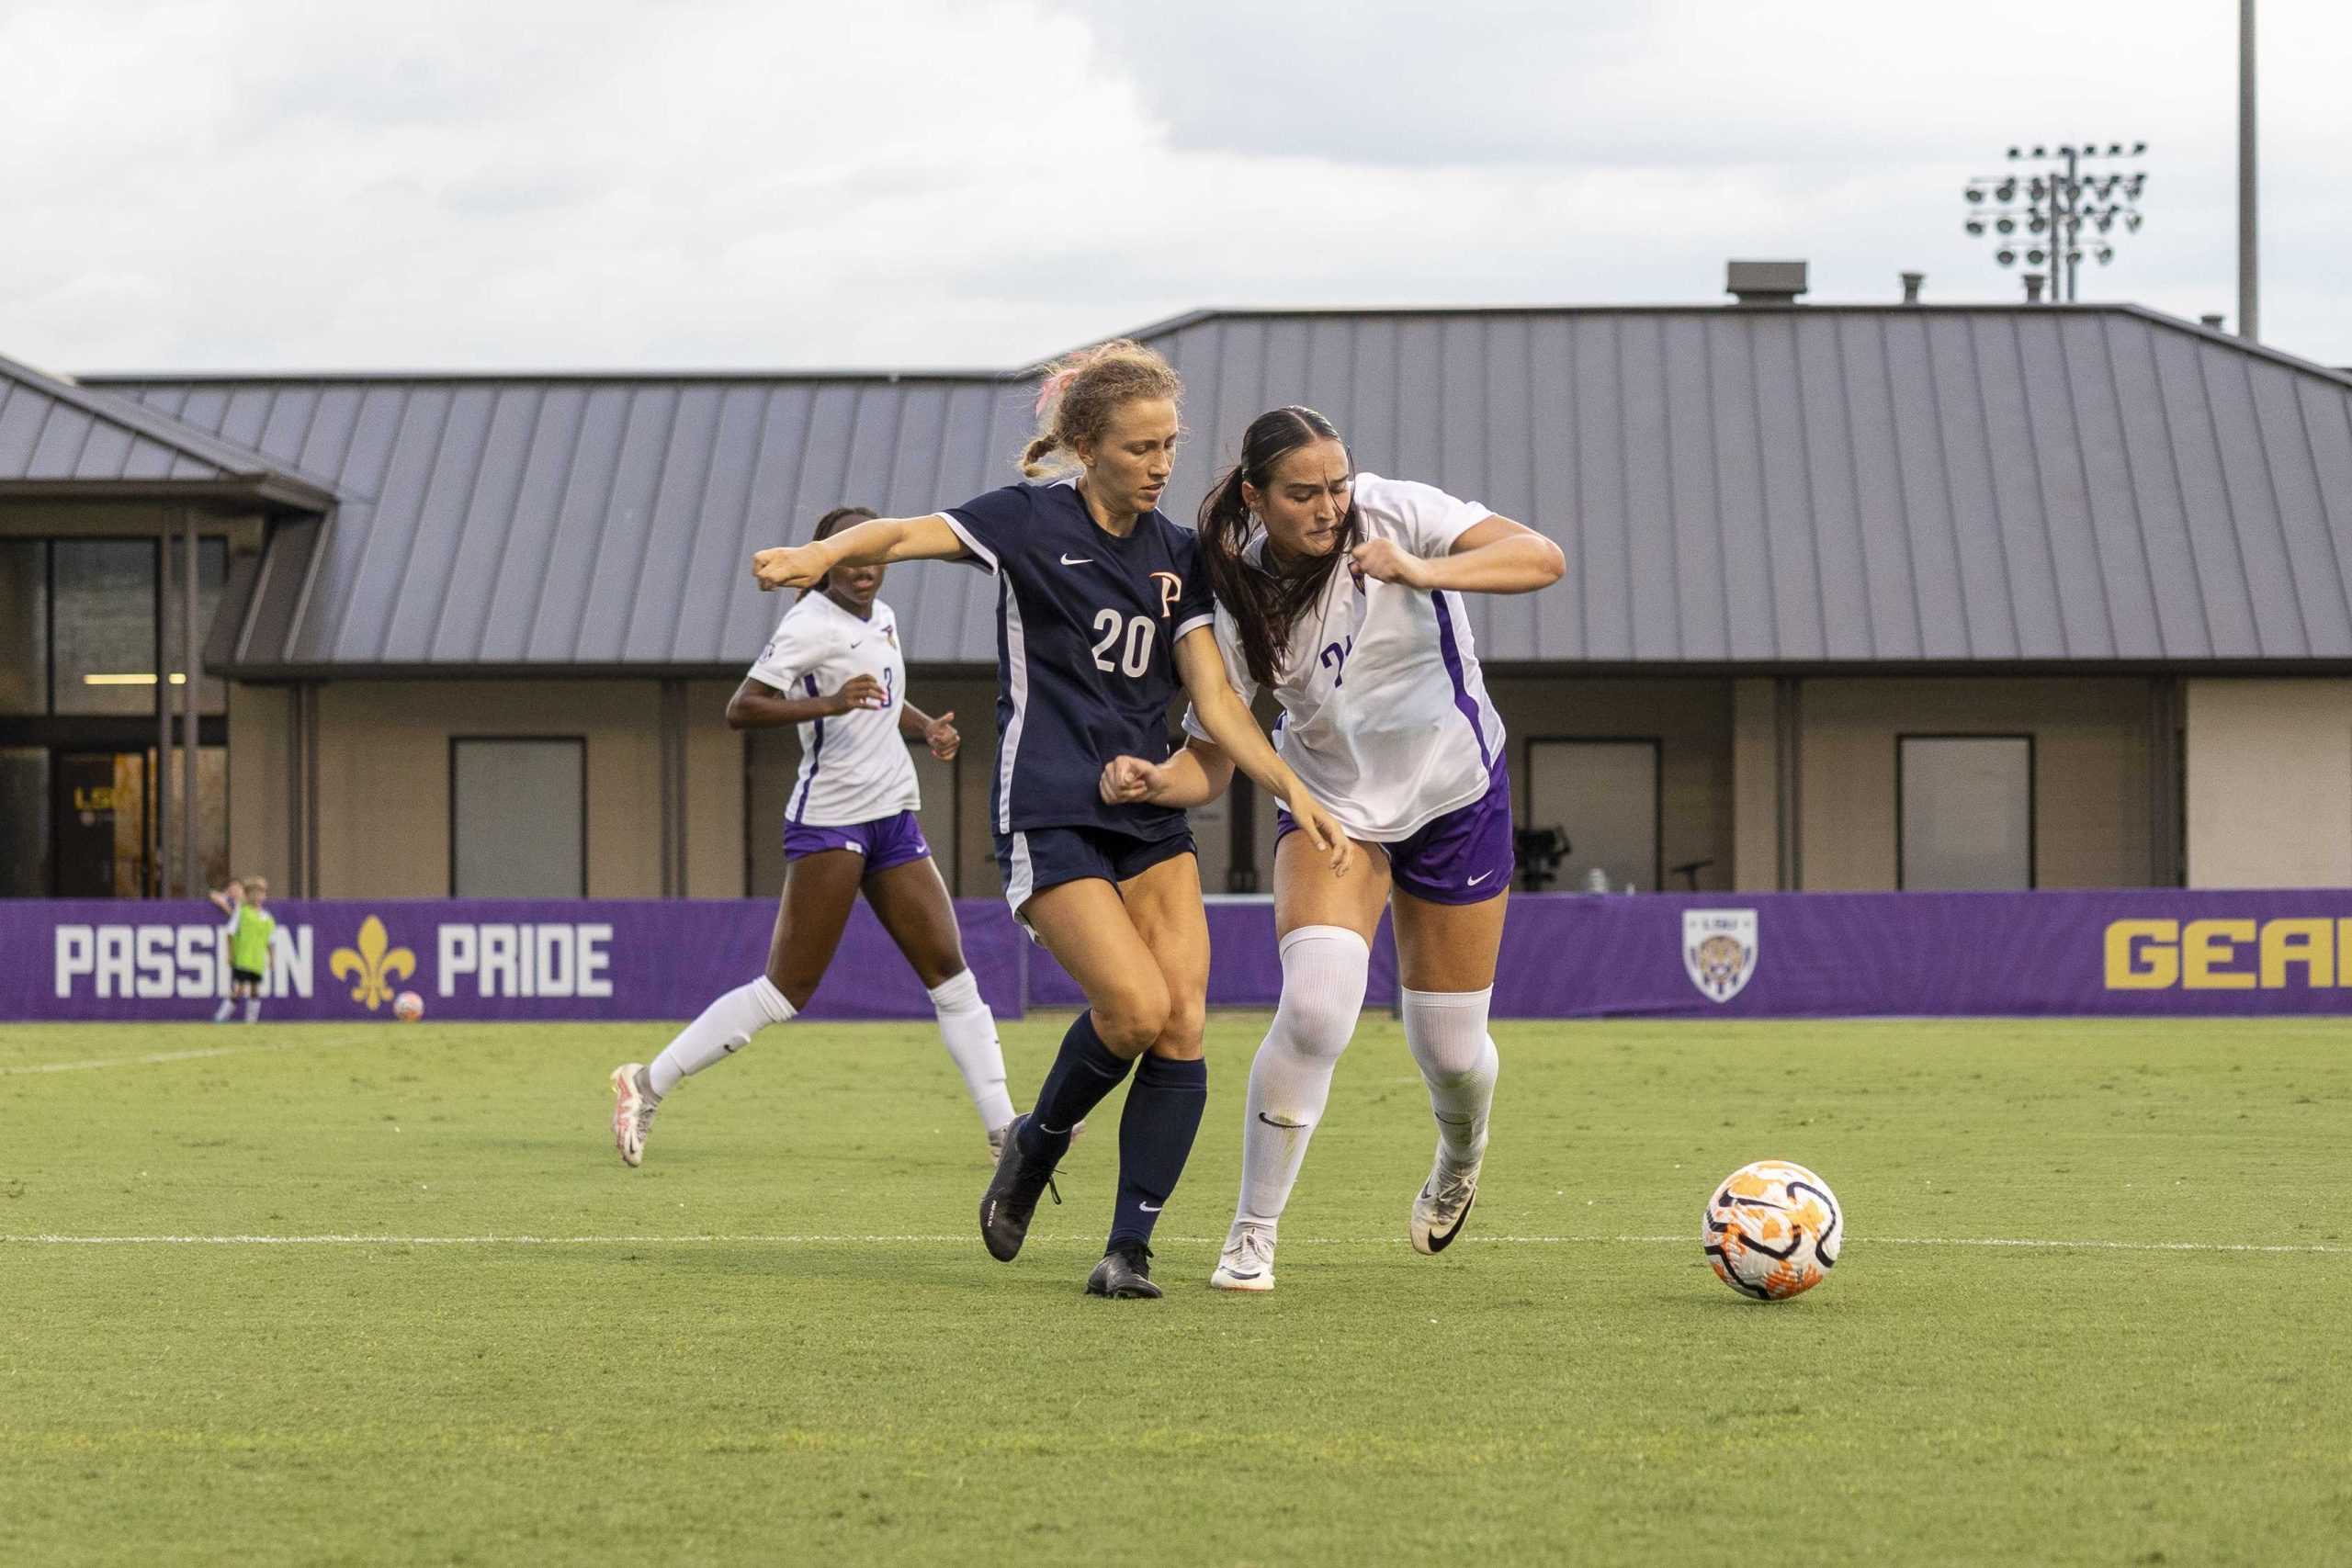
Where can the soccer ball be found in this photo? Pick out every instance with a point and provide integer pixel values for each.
(408, 1006)
(1772, 1230)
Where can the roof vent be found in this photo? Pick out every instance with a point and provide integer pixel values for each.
(1766, 283)
(2034, 282)
(1912, 283)
(2214, 320)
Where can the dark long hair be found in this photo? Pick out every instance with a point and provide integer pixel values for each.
(838, 517)
(1265, 604)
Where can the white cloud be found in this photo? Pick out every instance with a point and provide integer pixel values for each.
(259, 183)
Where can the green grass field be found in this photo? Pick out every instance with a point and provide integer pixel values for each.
(781, 1342)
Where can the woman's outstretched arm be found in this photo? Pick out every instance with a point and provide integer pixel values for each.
(878, 541)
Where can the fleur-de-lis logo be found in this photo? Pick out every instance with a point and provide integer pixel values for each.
(375, 967)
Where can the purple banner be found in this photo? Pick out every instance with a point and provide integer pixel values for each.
(2133, 951)
(465, 958)
(2116, 952)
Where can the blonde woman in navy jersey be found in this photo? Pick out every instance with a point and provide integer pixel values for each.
(1339, 592)
(1104, 613)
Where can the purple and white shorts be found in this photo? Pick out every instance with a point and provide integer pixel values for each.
(1467, 856)
(886, 841)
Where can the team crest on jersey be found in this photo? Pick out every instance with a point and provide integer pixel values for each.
(1171, 587)
(1719, 951)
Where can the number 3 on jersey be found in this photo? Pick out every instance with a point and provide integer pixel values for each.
(1136, 657)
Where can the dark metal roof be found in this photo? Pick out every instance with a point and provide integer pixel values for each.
(57, 437)
(1819, 485)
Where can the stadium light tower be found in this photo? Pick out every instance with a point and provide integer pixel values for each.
(2038, 216)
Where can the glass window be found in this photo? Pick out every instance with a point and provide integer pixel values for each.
(24, 822)
(518, 818)
(1965, 810)
(212, 570)
(104, 625)
(24, 626)
(1602, 797)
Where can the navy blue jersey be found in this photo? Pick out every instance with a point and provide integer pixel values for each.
(1087, 627)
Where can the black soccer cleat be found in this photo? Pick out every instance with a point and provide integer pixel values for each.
(1012, 1196)
(1124, 1274)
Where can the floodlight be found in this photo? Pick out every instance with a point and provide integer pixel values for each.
(2006, 256)
(2106, 255)
(2036, 256)
(1975, 225)
(1974, 193)
(2006, 225)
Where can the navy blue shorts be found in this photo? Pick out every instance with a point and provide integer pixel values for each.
(1037, 858)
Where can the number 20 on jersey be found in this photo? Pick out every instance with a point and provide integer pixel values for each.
(1136, 631)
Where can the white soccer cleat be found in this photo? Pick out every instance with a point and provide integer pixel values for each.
(633, 1108)
(1443, 1205)
(1247, 1261)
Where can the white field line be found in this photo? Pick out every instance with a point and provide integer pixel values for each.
(155, 1057)
(964, 1239)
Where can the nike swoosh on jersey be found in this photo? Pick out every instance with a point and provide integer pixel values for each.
(1081, 560)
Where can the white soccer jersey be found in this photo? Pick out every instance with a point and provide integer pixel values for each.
(853, 766)
(1384, 715)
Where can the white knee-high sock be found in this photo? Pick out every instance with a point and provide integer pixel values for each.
(969, 1029)
(1447, 1033)
(227, 1006)
(252, 1010)
(1324, 968)
(724, 1028)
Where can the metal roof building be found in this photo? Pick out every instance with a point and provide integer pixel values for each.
(1810, 486)
(1807, 546)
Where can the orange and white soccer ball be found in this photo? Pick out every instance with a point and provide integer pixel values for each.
(408, 1006)
(1772, 1230)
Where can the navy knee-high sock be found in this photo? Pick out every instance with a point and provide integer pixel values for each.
(1083, 1072)
(1156, 1135)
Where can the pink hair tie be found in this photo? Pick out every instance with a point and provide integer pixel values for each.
(1053, 388)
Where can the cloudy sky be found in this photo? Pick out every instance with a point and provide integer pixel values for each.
(286, 183)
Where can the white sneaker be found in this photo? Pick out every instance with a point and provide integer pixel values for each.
(633, 1108)
(1247, 1261)
(1444, 1203)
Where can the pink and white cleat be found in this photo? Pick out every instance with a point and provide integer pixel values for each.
(634, 1103)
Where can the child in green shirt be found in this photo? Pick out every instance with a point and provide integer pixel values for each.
(250, 930)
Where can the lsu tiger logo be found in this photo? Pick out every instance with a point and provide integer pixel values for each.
(1719, 951)
(1171, 588)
